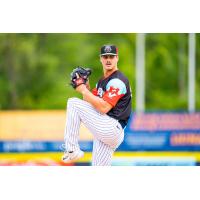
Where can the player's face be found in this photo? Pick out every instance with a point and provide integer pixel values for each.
(109, 62)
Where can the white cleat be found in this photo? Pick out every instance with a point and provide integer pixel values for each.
(72, 156)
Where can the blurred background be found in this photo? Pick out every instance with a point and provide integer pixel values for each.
(164, 73)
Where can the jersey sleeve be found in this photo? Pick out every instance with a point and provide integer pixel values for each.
(115, 89)
(95, 91)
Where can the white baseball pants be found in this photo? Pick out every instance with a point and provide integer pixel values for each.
(108, 133)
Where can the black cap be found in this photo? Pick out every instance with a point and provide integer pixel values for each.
(109, 50)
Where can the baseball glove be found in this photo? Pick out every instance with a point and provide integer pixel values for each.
(80, 76)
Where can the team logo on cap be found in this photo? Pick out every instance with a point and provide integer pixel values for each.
(107, 49)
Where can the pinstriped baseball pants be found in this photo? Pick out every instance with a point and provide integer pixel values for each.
(108, 133)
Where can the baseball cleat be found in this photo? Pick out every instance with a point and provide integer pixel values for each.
(71, 156)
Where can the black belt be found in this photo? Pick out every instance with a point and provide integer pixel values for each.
(123, 123)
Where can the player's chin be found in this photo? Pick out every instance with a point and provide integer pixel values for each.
(109, 67)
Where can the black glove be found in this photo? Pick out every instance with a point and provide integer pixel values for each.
(80, 76)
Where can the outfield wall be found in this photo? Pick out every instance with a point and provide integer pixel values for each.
(36, 126)
(35, 137)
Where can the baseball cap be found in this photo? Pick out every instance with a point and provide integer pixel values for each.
(109, 50)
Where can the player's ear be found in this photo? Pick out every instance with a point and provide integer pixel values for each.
(117, 58)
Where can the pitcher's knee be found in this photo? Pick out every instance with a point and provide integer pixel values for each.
(117, 142)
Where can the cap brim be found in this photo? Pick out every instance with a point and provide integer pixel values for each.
(114, 54)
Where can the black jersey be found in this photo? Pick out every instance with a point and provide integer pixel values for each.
(115, 89)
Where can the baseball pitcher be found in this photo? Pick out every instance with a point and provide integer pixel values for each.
(104, 111)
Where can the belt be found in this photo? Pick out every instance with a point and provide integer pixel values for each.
(123, 123)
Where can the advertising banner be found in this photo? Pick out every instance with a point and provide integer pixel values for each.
(162, 132)
(144, 132)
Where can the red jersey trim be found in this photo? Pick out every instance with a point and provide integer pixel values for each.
(94, 91)
(112, 99)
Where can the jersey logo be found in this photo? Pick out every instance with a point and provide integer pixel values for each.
(111, 95)
(113, 92)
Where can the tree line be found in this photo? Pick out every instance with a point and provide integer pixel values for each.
(35, 68)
